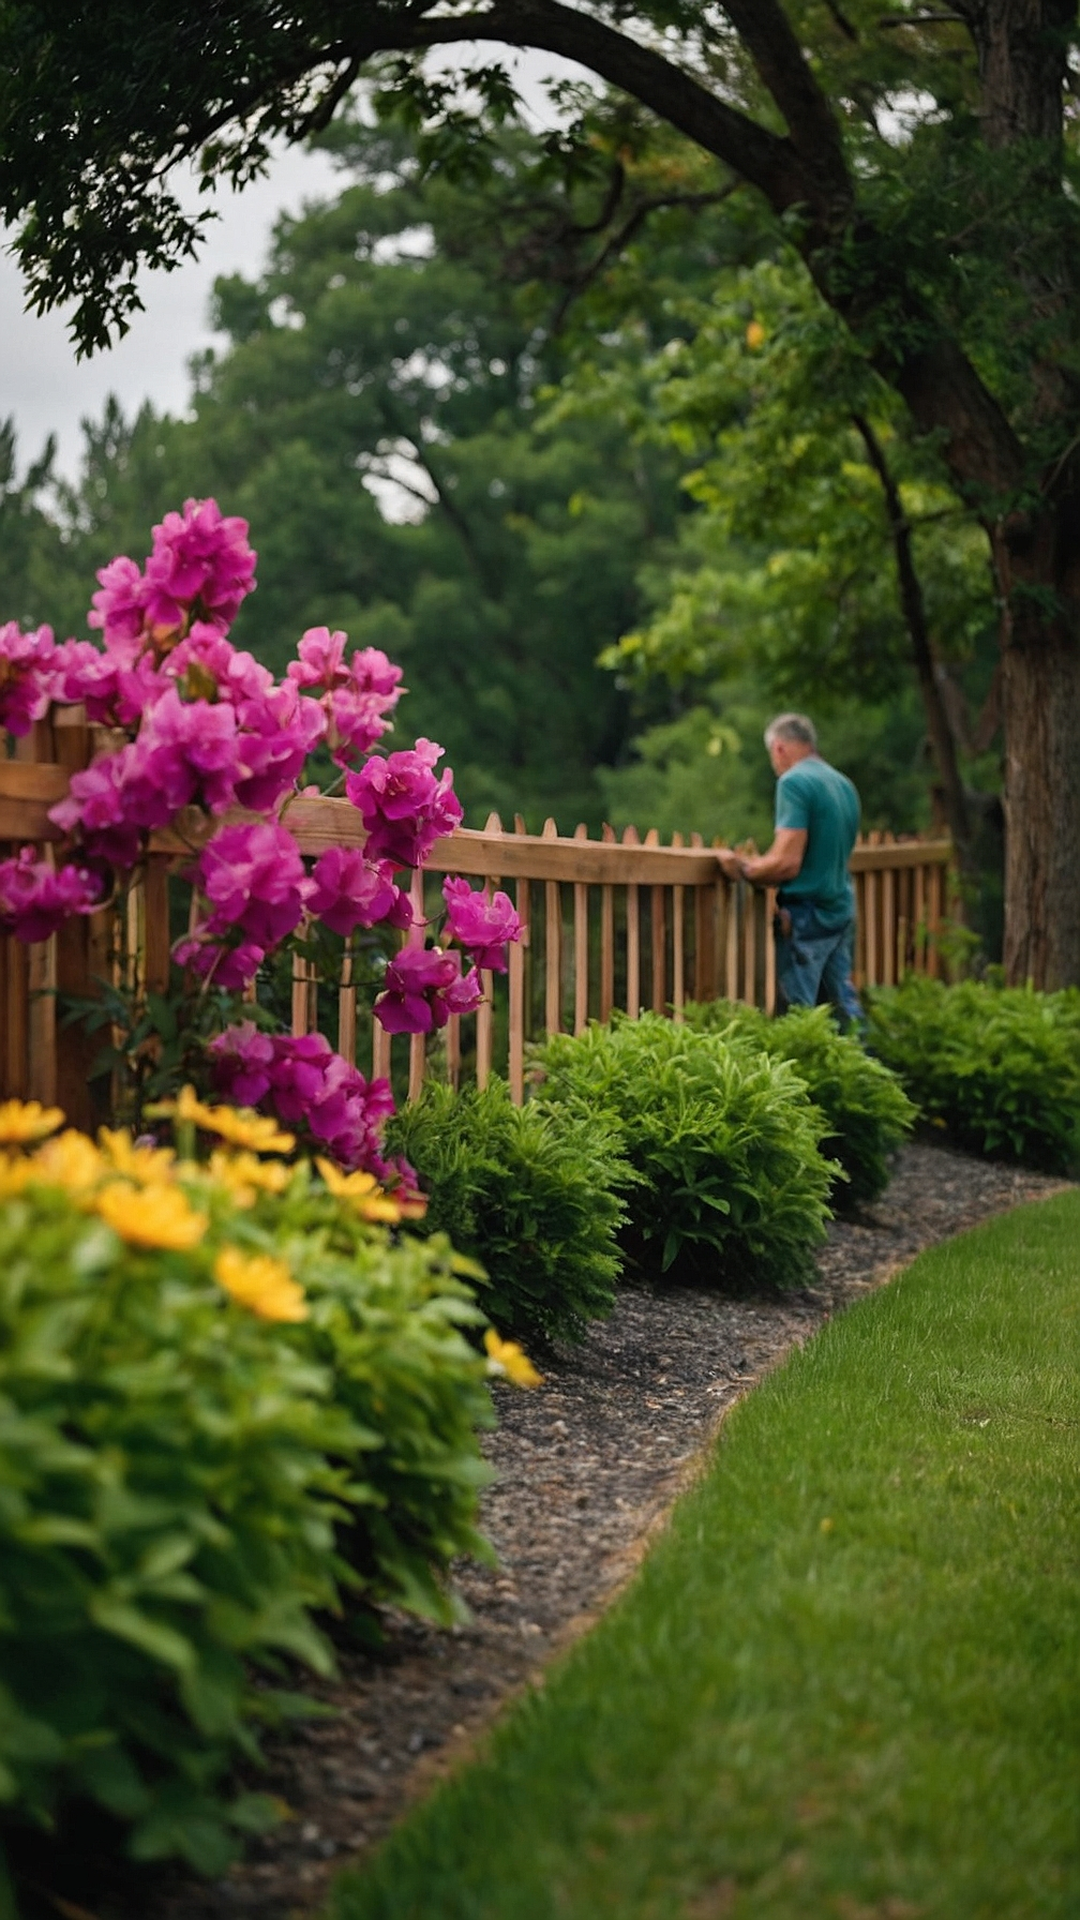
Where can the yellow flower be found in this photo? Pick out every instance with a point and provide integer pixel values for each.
(187, 1107)
(755, 335)
(23, 1120)
(242, 1127)
(15, 1173)
(362, 1191)
(244, 1175)
(147, 1166)
(260, 1282)
(505, 1356)
(151, 1216)
(70, 1161)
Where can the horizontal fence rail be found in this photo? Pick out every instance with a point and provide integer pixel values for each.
(611, 923)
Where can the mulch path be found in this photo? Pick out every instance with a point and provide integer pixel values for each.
(587, 1467)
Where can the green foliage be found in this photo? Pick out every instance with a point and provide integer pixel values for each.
(785, 576)
(866, 1110)
(724, 1139)
(183, 1482)
(534, 1195)
(998, 1067)
(388, 1320)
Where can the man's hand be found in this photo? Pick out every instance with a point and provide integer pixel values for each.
(782, 861)
(730, 862)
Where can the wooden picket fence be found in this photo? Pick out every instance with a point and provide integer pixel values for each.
(609, 923)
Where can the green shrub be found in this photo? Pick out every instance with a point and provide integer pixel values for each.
(867, 1112)
(185, 1476)
(723, 1138)
(998, 1067)
(534, 1195)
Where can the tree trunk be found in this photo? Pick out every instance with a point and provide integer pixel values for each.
(1041, 702)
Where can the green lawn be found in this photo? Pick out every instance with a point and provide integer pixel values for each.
(845, 1683)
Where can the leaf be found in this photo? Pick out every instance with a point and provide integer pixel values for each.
(152, 1637)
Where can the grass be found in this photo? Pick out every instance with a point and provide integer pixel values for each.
(845, 1682)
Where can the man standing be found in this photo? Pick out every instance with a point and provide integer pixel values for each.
(817, 819)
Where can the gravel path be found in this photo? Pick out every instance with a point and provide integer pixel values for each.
(587, 1467)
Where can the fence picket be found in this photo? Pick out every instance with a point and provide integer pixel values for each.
(581, 944)
(678, 944)
(517, 990)
(552, 945)
(633, 934)
(607, 935)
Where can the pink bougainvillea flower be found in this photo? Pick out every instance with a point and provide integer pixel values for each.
(356, 694)
(278, 731)
(207, 663)
(27, 676)
(119, 607)
(423, 988)
(117, 686)
(357, 719)
(230, 968)
(187, 752)
(404, 807)
(320, 659)
(243, 1060)
(305, 1083)
(96, 808)
(350, 891)
(201, 563)
(480, 925)
(36, 898)
(254, 880)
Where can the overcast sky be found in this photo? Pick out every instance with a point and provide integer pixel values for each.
(48, 391)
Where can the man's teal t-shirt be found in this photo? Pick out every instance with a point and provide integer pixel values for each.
(812, 797)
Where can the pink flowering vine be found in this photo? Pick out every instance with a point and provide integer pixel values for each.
(423, 988)
(306, 1085)
(27, 668)
(36, 898)
(357, 695)
(482, 926)
(348, 891)
(403, 806)
(207, 731)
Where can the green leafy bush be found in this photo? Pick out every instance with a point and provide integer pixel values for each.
(535, 1195)
(867, 1112)
(723, 1138)
(225, 1397)
(998, 1067)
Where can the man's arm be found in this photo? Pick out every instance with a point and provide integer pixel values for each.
(782, 861)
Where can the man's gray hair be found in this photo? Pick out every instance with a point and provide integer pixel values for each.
(791, 726)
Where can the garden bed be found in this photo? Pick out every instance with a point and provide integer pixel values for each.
(587, 1467)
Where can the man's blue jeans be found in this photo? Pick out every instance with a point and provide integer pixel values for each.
(814, 963)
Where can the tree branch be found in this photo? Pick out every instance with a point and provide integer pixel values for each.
(615, 243)
(767, 33)
(767, 160)
(913, 607)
